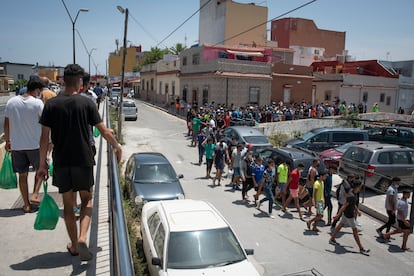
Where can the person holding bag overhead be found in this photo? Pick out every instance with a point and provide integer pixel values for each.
(67, 117)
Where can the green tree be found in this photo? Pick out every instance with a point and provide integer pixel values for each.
(155, 55)
(177, 49)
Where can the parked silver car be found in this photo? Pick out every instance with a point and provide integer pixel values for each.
(130, 110)
(248, 135)
(378, 163)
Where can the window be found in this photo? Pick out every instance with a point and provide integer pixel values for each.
(166, 89)
(20, 76)
(143, 84)
(382, 97)
(384, 158)
(152, 84)
(328, 95)
(346, 137)
(184, 61)
(205, 94)
(153, 222)
(400, 157)
(254, 94)
(316, 52)
(173, 88)
(185, 89)
(196, 59)
(388, 102)
(322, 137)
(365, 97)
(160, 92)
(159, 242)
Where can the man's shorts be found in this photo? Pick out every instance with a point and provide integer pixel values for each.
(73, 178)
(348, 221)
(319, 210)
(294, 193)
(236, 171)
(21, 160)
(282, 186)
(402, 225)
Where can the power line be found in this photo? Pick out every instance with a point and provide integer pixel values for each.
(184, 22)
(277, 17)
(143, 28)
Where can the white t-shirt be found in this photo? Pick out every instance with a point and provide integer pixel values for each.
(24, 114)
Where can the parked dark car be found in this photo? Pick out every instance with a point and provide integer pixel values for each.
(392, 134)
(293, 156)
(150, 176)
(333, 156)
(320, 139)
(248, 135)
(378, 163)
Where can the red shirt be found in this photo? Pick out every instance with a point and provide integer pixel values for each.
(294, 179)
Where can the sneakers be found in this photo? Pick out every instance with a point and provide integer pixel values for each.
(364, 251)
(333, 242)
(271, 216)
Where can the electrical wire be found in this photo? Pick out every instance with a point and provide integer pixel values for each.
(185, 21)
(144, 29)
(277, 17)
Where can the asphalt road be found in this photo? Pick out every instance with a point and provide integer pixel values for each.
(282, 245)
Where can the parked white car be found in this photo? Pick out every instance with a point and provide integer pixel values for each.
(130, 110)
(190, 237)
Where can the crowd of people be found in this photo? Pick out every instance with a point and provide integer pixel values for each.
(41, 127)
(279, 184)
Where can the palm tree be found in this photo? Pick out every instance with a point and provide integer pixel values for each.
(177, 49)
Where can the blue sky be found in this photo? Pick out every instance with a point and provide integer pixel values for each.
(41, 31)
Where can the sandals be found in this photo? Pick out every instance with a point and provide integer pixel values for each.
(84, 253)
(68, 247)
(407, 249)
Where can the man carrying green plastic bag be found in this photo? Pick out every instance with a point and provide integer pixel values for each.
(8, 178)
(48, 214)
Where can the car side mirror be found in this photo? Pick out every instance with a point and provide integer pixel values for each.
(156, 261)
(249, 251)
(180, 176)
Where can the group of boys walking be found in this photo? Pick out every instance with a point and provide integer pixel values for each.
(273, 181)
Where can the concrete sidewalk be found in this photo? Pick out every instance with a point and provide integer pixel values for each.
(25, 251)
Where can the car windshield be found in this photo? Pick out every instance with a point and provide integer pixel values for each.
(256, 139)
(343, 148)
(128, 104)
(202, 249)
(150, 173)
(307, 136)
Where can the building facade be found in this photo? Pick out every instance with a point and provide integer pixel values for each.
(133, 57)
(226, 22)
(226, 76)
(360, 82)
(291, 83)
(309, 42)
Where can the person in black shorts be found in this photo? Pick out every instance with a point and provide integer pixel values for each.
(66, 118)
(403, 222)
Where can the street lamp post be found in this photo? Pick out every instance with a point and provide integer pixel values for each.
(73, 27)
(89, 54)
(122, 10)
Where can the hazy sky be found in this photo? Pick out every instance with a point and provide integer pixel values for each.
(41, 31)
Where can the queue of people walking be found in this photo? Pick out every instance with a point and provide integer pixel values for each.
(279, 184)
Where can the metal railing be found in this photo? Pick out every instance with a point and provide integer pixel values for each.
(121, 258)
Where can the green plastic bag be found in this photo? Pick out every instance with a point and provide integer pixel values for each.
(48, 214)
(96, 132)
(8, 178)
(51, 169)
